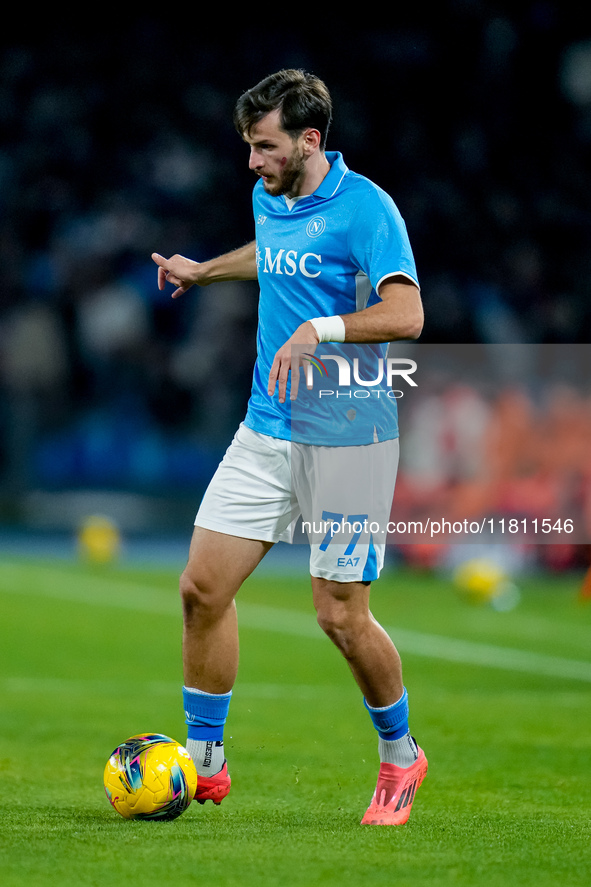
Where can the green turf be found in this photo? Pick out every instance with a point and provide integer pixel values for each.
(89, 656)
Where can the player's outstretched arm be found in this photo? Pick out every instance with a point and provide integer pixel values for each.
(183, 273)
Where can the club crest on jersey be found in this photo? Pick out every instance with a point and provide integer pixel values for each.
(315, 227)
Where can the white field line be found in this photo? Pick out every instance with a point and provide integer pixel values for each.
(432, 646)
(112, 689)
(129, 596)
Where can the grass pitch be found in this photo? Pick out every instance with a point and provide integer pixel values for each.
(499, 701)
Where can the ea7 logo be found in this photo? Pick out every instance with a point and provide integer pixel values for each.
(290, 263)
(347, 561)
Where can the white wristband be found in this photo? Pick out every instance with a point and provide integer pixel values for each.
(329, 329)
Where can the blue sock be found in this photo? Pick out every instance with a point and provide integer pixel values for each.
(395, 745)
(205, 714)
(391, 722)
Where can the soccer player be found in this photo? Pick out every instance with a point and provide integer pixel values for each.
(334, 265)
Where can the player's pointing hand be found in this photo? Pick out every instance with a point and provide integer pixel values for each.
(179, 271)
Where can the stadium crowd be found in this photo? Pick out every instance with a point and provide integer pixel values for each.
(117, 143)
(511, 462)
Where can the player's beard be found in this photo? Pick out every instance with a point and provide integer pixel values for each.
(287, 181)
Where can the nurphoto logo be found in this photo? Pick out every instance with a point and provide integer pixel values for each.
(382, 377)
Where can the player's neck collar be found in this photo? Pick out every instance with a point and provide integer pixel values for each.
(333, 178)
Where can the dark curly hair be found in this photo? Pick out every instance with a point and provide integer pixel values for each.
(303, 100)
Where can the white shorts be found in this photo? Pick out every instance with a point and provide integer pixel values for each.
(343, 496)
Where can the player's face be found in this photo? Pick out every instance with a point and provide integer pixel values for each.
(276, 157)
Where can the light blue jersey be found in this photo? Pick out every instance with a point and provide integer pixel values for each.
(321, 255)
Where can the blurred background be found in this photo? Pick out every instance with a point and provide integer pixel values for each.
(116, 140)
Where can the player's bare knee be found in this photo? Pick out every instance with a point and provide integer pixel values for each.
(199, 595)
(189, 592)
(339, 625)
(331, 628)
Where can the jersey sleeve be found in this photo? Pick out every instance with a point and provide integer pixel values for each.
(378, 239)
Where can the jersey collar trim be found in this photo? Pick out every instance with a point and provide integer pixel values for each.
(332, 180)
